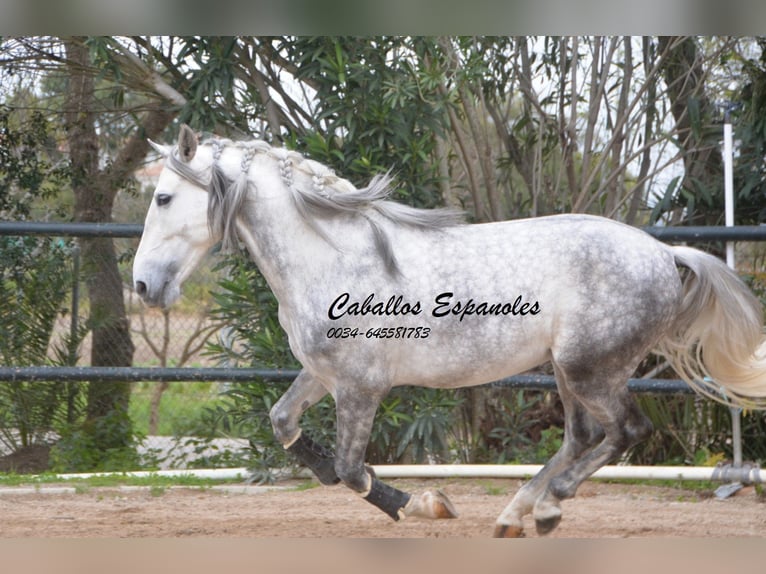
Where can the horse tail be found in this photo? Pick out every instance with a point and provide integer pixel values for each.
(716, 343)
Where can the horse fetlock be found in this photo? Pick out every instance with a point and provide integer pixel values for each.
(357, 479)
(559, 488)
(510, 524)
(431, 504)
(325, 472)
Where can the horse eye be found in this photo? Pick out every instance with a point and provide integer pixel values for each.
(163, 199)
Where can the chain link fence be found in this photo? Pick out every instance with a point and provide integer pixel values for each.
(171, 415)
(44, 306)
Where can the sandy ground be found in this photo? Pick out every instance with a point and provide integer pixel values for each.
(292, 510)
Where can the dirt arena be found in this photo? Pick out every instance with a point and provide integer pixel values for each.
(299, 510)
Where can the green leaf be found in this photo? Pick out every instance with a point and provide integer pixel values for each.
(664, 204)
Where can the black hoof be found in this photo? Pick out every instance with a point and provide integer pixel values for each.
(547, 525)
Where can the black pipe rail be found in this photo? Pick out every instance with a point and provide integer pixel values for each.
(138, 374)
(700, 233)
(217, 374)
(691, 234)
(71, 229)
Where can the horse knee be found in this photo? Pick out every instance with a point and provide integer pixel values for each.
(285, 429)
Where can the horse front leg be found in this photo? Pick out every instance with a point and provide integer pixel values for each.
(285, 415)
(355, 412)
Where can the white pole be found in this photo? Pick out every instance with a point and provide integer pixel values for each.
(521, 471)
(728, 175)
(609, 472)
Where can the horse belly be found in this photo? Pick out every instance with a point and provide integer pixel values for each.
(473, 355)
(423, 349)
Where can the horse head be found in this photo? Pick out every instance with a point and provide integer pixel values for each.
(176, 234)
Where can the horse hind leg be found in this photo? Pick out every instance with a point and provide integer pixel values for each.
(581, 432)
(624, 425)
(586, 432)
(285, 415)
(355, 412)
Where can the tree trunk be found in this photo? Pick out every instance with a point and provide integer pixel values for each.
(691, 108)
(108, 322)
(638, 193)
(95, 190)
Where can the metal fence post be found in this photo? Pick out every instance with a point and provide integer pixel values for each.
(728, 177)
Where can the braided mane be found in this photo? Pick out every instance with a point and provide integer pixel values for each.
(327, 195)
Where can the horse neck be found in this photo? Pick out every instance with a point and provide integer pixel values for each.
(285, 248)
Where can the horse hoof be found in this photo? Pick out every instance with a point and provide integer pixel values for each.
(442, 506)
(508, 531)
(431, 504)
(547, 525)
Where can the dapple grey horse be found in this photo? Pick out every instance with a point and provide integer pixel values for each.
(374, 294)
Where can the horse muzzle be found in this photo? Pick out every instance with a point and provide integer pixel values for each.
(158, 293)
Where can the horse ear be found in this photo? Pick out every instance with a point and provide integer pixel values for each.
(187, 143)
(164, 151)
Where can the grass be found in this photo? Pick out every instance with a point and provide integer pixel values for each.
(307, 485)
(692, 485)
(157, 490)
(152, 481)
(494, 489)
(156, 485)
(182, 408)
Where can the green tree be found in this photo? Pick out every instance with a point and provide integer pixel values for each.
(95, 188)
(504, 127)
(35, 278)
(95, 74)
(701, 187)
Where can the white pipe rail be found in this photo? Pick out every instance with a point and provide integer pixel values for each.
(744, 474)
(609, 472)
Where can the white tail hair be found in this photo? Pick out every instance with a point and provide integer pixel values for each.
(717, 343)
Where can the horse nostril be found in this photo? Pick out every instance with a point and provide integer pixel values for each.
(140, 288)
